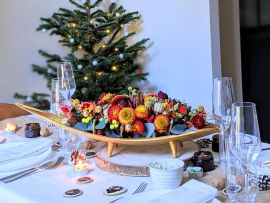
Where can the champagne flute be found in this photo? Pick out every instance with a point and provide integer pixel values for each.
(245, 145)
(222, 98)
(66, 80)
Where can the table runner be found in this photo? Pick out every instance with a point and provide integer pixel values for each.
(50, 185)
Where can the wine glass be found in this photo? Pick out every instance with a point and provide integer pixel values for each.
(245, 145)
(66, 80)
(222, 98)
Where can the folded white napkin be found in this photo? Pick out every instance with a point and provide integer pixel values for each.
(26, 149)
(191, 192)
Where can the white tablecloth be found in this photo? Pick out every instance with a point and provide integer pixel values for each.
(49, 186)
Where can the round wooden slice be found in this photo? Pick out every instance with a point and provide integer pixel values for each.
(134, 160)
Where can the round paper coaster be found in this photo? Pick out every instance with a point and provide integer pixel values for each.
(114, 190)
(73, 193)
(84, 180)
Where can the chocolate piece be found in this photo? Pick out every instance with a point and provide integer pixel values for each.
(73, 193)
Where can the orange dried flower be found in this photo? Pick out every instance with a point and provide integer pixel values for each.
(141, 112)
(161, 123)
(126, 116)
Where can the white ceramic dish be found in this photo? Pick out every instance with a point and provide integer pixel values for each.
(26, 162)
(166, 173)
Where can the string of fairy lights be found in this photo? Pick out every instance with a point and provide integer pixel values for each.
(114, 68)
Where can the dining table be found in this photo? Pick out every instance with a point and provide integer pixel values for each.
(50, 185)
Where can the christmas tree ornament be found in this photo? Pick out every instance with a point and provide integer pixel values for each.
(121, 56)
(126, 34)
(71, 40)
(94, 63)
(44, 30)
(79, 66)
(49, 70)
(138, 72)
(84, 90)
(117, 14)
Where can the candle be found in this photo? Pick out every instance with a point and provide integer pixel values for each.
(11, 127)
(80, 166)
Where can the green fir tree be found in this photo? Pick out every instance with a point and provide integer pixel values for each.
(102, 58)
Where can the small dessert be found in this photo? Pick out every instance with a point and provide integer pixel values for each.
(87, 145)
(73, 193)
(219, 183)
(45, 132)
(84, 180)
(115, 190)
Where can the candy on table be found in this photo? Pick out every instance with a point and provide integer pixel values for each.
(219, 183)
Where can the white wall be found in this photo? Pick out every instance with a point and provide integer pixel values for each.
(184, 55)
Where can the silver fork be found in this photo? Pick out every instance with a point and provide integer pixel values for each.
(139, 189)
(3, 140)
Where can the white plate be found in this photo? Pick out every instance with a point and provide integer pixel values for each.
(150, 195)
(26, 162)
(264, 156)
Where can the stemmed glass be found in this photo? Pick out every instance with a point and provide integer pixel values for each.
(67, 87)
(66, 80)
(223, 98)
(245, 145)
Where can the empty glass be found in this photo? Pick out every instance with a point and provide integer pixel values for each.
(223, 98)
(66, 81)
(245, 145)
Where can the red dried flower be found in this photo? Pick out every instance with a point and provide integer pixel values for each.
(198, 122)
(138, 127)
(183, 110)
(113, 112)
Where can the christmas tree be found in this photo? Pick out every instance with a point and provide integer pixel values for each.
(102, 58)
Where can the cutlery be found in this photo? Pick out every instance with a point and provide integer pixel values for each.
(47, 166)
(26, 156)
(3, 140)
(265, 149)
(139, 189)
